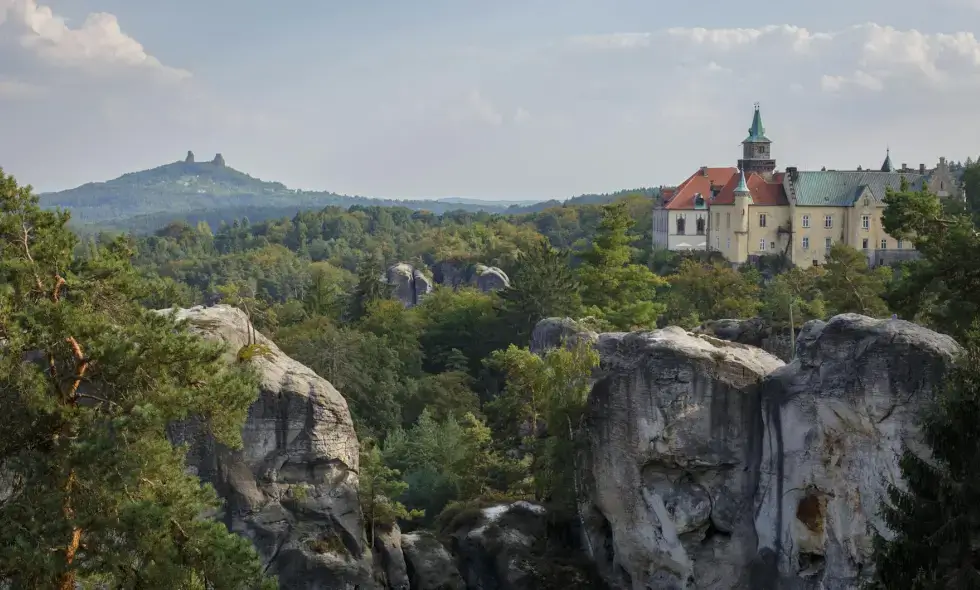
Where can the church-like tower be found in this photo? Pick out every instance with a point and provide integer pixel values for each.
(757, 149)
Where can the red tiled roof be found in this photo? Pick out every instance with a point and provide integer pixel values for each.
(699, 182)
(764, 193)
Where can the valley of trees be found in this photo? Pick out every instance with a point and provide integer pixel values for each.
(452, 408)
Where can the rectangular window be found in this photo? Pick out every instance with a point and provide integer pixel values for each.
(762, 220)
(828, 221)
(884, 244)
(806, 243)
(864, 243)
(717, 242)
(718, 220)
(827, 243)
(806, 221)
(772, 245)
(900, 244)
(728, 244)
(865, 222)
(762, 245)
(728, 221)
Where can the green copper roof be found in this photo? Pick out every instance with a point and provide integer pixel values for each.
(757, 132)
(742, 188)
(842, 188)
(886, 166)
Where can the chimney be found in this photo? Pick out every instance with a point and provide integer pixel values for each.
(704, 170)
(793, 172)
(904, 166)
(922, 168)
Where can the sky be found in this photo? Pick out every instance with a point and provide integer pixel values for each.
(510, 99)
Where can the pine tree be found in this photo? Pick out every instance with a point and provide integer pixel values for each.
(89, 382)
(543, 286)
(371, 286)
(613, 288)
(935, 516)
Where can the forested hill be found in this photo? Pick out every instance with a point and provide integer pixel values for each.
(213, 192)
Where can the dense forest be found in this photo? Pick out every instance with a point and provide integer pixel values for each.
(452, 408)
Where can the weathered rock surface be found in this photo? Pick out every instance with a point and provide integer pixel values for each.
(712, 465)
(430, 565)
(458, 274)
(834, 423)
(516, 547)
(410, 284)
(672, 432)
(292, 488)
(754, 332)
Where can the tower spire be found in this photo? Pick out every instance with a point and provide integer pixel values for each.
(887, 166)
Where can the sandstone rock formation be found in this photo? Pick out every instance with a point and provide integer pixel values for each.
(292, 489)
(458, 274)
(490, 278)
(834, 422)
(410, 284)
(754, 332)
(712, 465)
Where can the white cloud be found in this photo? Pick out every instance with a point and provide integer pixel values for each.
(11, 89)
(97, 45)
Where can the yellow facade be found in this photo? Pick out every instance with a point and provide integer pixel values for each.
(742, 230)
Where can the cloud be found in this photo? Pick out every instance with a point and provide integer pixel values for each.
(11, 89)
(98, 45)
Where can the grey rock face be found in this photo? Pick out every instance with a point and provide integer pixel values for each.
(512, 547)
(459, 274)
(429, 564)
(490, 278)
(672, 419)
(410, 284)
(712, 465)
(754, 332)
(835, 420)
(555, 332)
(292, 488)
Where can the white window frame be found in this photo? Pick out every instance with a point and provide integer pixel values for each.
(806, 242)
(865, 222)
(806, 221)
(762, 220)
(762, 245)
(828, 222)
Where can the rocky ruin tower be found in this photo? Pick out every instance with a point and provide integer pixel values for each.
(218, 160)
(190, 157)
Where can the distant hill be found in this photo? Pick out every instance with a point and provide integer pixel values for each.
(213, 192)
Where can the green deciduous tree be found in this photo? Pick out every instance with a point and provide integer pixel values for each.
(379, 488)
(549, 391)
(934, 516)
(797, 289)
(372, 286)
(850, 286)
(613, 288)
(89, 382)
(942, 289)
(700, 292)
(543, 286)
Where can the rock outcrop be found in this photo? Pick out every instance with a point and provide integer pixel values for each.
(409, 283)
(713, 465)
(458, 274)
(834, 424)
(754, 332)
(292, 488)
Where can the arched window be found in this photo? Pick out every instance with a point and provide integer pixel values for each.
(680, 226)
(699, 224)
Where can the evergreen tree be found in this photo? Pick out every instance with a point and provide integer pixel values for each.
(701, 291)
(543, 286)
(89, 382)
(613, 288)
(935, 516)
(379, 488)
(371, 286)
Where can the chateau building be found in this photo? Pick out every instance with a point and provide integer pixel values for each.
(754, 210)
